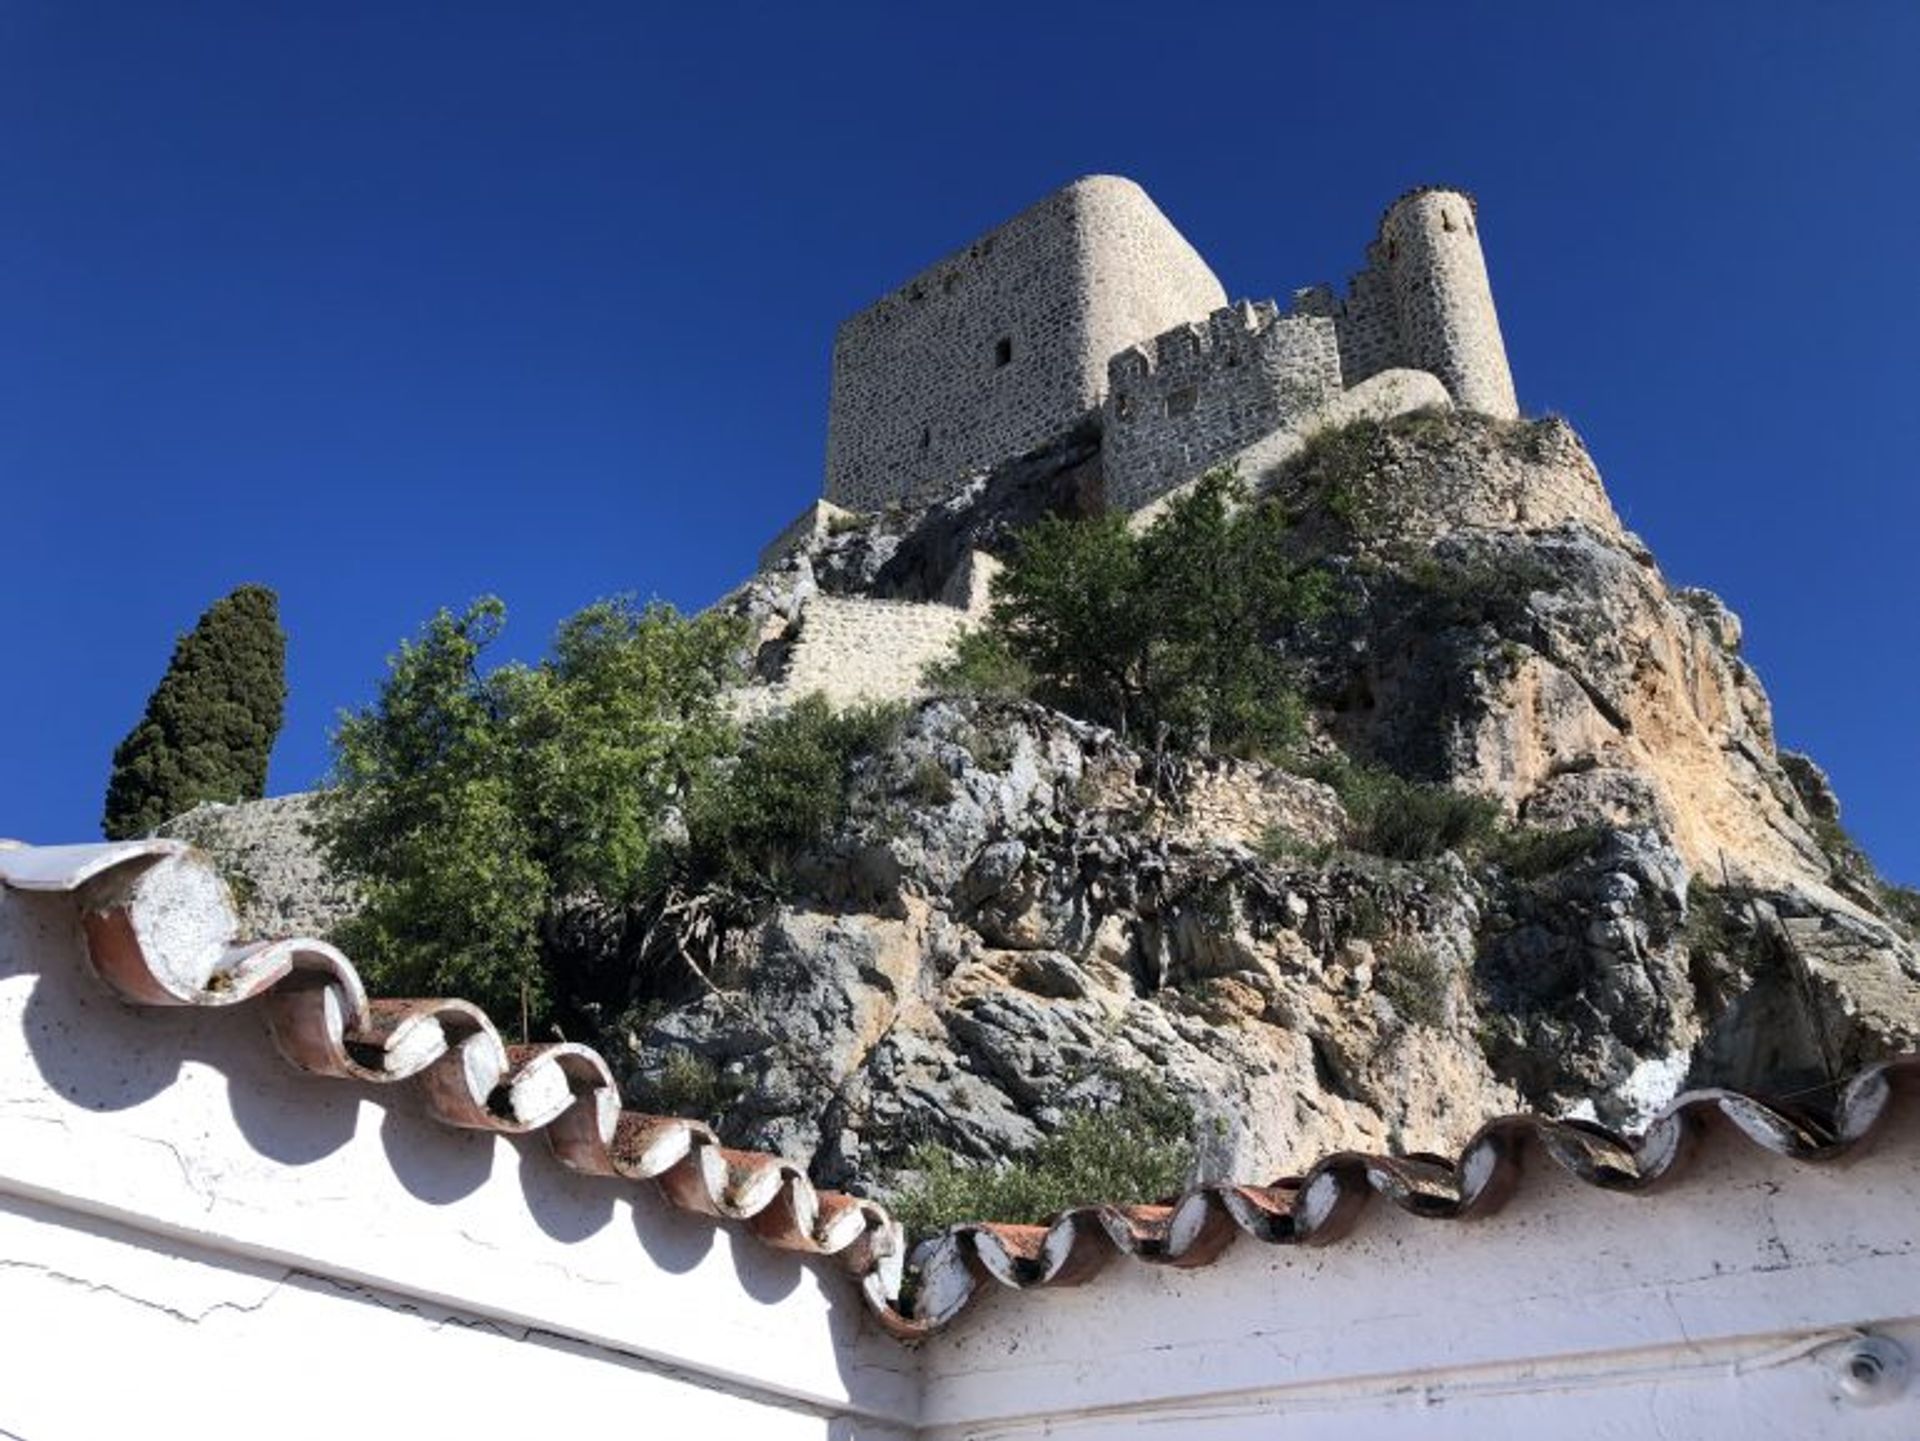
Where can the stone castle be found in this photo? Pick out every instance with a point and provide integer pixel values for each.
(1089, 314)
(1091, 303)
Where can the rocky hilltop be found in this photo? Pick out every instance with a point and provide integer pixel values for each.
(1020, 907)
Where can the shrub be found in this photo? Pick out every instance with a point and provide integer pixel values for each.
(1476, 588)
(993, 748)
(983, 664)
(689, 1084)
(1279, 845)
(1139, 1150)
(929, 784)
(1366, 917)
(1334, 468)
(1855, 871)
(1711, 928)
(1413, 979)
(210, 725)
(1529, 852)
(1903, 904)
(1335, 462)
(1407, 820)
(785, 792)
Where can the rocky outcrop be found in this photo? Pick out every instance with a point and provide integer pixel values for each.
(1506, 634)
(969, 970)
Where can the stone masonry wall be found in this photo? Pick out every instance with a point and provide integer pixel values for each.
(1203, 391)
(1003, 345)
(854, 648)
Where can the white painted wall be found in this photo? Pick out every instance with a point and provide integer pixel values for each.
(196, 1240)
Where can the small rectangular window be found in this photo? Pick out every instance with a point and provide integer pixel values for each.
(1003, 351)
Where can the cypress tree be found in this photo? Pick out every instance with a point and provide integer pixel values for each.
(210, 725)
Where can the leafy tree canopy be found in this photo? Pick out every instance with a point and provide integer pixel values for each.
(210, 725)
(473, 806)
(1168, 631)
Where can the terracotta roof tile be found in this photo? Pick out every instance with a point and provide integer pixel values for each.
(133, 896)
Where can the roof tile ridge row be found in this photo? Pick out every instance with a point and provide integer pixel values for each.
(157, 919)
(1192, 1229)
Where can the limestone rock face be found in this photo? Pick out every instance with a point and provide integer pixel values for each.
(1047, 925)
(970, 963)
(1506, 634)
(1050, 923)
(1499, 632)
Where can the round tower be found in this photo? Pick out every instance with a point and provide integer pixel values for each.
(1445, 309)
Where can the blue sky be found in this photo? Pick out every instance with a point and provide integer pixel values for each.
(391, 305)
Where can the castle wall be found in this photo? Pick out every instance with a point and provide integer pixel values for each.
(1003, 345)
(1204, 391)
(856, 648)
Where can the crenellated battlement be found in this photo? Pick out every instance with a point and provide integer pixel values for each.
(1202, 391)
(1225, 332)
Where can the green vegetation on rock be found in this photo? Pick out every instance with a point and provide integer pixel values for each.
(981, 664)
(1138, 1150)
(690, 1085)
(1405, 820)
(1165, 633)
(786, 790)
(544, 839)
(1336, 468)
(1529, 852)
(1414, 980)
(468, 804)
(210, 725)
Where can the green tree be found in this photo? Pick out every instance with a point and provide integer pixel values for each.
(1218, 587)
(210, 725)
(787, 790)
(1070, 607)
(478, 808)
(1173, 629)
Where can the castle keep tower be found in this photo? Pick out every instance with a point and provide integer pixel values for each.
(1424, 302)
(1004, 345)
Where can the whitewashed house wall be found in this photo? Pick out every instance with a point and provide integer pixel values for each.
(196, 1240)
